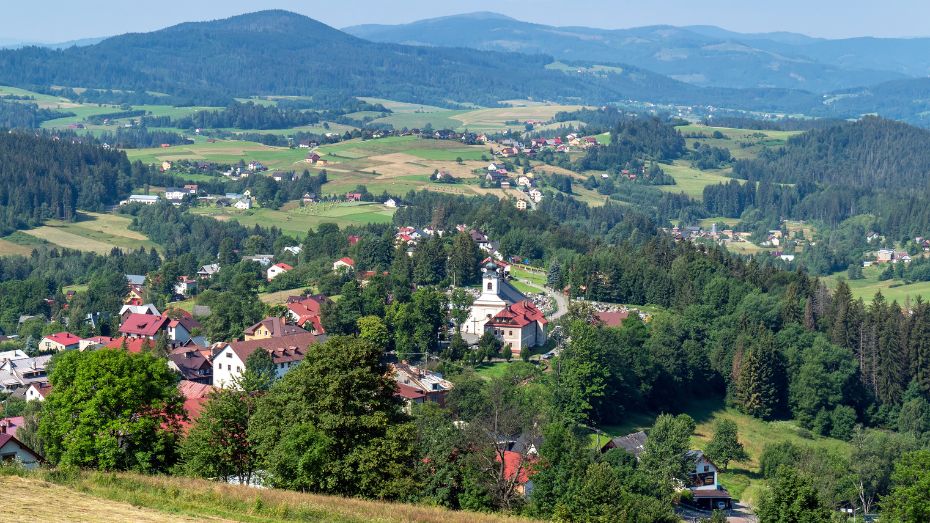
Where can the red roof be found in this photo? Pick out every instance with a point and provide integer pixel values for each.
(612, 318)
(65, 338)
(134, 345)
(409, 393)
(43, 389)
(519, 314)
(353, 239)
(308, 310)
(12, 424)
(196, 396)
(513, 466)
(284, 266)
(347, 260)
(143, 325)
(499, 263)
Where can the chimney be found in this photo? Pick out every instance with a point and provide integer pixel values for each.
(3, 425)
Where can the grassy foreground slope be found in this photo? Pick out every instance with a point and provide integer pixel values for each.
(111, 497)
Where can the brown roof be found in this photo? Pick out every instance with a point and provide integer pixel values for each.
(711, 493)
(612, 318)
(282, 349)
(519, 314)
(277, 326)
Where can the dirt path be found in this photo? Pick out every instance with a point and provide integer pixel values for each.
(32, 499)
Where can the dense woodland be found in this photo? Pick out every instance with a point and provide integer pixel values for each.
(25, 115)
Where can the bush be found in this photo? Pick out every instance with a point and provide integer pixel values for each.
(844, 421)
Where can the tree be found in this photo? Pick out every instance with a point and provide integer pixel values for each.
(111, 410)
(791, 498)
(666, 451)
(461, 302)
(333, 424)
(872, 462)
(373, 329)
(464, 261)
(725, 446)
(217, 445)
(760, 377)
(910, 484)
(260, 372)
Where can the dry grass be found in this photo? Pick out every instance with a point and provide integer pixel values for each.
(59, 236)
(8, 248)
(44, 501)
(131, 497)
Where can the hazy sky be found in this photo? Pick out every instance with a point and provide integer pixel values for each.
(59, 20)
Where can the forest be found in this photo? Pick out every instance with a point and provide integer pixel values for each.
(26, 115)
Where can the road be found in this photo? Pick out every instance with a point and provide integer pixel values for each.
(561, 301)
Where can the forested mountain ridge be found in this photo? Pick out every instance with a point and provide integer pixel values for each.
(703, 56)
(282, 53)
(872, 153)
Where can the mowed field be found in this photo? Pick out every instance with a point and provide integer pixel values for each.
(224, 151)
(295, 220)
(94, 232)
(478, 120)
(742, 143)
(892, 290)
(692, 181)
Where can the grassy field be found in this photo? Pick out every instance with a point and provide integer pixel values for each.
(742, 143)
(479, 120)
(296, 220)
(94, 232)
(742, 480)
(225, 151)
(103, 497)
(892, 290)
(690, 180)
(279, 297)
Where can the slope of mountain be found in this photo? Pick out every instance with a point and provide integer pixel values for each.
(282, 53)
(701, 55)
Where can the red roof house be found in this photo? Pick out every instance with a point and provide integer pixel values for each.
(60, 341)
(143, 325)
(134, 345)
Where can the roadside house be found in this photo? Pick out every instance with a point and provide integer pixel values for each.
(59, 342)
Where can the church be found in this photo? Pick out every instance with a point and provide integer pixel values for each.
(504, 310)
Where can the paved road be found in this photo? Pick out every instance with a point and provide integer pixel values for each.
(560, 300)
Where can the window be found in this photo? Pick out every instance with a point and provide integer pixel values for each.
(229, 355)
(489, 285)
(238, 369)
(706, 468)
(510, 333)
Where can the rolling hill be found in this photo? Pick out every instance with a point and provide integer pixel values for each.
(701, 55)
(282, 53)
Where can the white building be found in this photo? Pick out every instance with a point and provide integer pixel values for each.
(278, 269)
(390, 203)
(11, 449)
(496, 295)
(143, 199)
(243, 204)
(286, 352)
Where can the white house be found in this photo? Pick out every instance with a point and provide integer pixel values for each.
(59, 342)
(344, 264)
(143, 199)
(278, 269)
(536, 195)
(148, 308)
(294, 249)
(286, 352)
(262, 259)
(207, 271)
(243, 204)
(391, 202)
(185, 286)
(38, 391)
(176, 193)
(13, 450)
(496, 295)
(521, 325)
(704, 487)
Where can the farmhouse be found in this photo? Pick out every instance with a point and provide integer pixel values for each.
(286, 352)
(207, 271)
(261, 259)
(278, 269)
(391, 202)
(13, 450)
(244, 204)
(185, 286)
(704, 487)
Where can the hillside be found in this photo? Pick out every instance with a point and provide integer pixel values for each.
(872, 153)
(282, 53)
(100, 497)
(706, 56)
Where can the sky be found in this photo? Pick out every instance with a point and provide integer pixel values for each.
(60, 20)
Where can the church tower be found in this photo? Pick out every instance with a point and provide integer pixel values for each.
(490, 280)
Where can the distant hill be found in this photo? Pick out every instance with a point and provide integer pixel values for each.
(282, 53)
(701, 55)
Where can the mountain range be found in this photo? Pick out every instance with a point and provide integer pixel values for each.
(701, 55)
(283, 53)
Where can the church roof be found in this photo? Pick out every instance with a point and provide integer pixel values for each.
(508, 293)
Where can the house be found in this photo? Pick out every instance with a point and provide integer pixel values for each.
(305, 312)
(293, 250)
(521, 325)
(262, 259)
(524, 181)
(134, 280)
(207, 271)
(244, 204)
(479, 238)
(493, 168)
(195, 397)
(13, 450)
(536, 195)
(38, 391)
(22, 372)
(271, 328)
(192, 364)
(133, 345)
(707, 492)
(518, 470)
(181, 329)
(353, 239)
(344, 264)
(185, 286)
(521, 205)
(632, 443)
(13, 355)
(286, 352)
(391, 202)
(93, 343)
(144, 326)
(177, 194)
(416, 385)
(278, 269)
(309, 197)
(59, 342)
(148, 308)
(496, 295)
(613, 319)
(144, 199)
(353, 196)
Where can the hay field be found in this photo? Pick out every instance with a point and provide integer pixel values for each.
(92, 232)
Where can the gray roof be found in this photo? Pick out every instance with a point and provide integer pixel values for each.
(135, 279)
(509, 294)
(633, 443)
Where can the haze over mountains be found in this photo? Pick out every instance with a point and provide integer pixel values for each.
(702, 55)
(283, 53)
